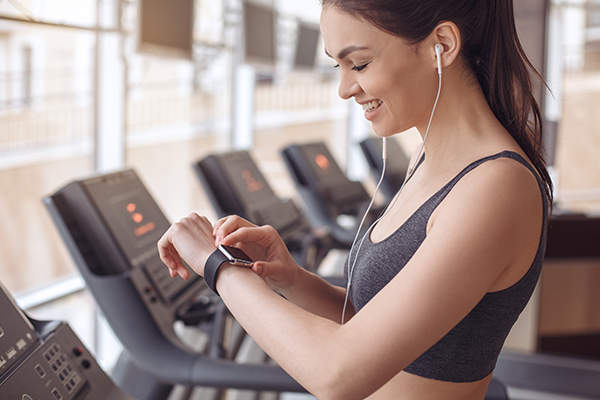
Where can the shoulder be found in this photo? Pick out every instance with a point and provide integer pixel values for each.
(496, 207)
(501, 185)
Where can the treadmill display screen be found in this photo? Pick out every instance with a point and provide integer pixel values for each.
(136, 220)
(248, 182)
(323, 164)
(131, 214)
(142, 226)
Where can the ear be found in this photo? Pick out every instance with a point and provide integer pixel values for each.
(448, 35)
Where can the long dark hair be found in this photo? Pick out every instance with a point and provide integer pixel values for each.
(490, 47)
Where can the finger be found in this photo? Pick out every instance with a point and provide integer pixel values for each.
(183, 272)
(218, 224)
(170, 257)
(163, 244)
(257, 268)
(219, 231)
(240, 236)
(228, 225)
(180, 268)
(169, 260)
(259, 235)
(235, 219)
(200, 221)
(176, 266)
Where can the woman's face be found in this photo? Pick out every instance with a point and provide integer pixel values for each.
(395, 82)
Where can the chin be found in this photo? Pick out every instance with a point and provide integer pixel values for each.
(385, 130)
(381, 132)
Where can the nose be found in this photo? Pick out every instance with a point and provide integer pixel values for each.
(348, 87)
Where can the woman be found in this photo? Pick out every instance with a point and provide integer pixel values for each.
(444, 274)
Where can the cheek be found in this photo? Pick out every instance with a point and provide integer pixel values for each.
(412, 97)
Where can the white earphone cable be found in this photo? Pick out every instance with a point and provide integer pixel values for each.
(408, 175)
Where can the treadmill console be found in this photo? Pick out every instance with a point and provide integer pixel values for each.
(17, 335)
(235, 185)
(111, 225)
(47, 361)
(315, 168)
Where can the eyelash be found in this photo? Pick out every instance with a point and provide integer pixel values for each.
(355, 68)
(360, 67)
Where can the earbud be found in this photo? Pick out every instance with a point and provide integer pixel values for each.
(439, 49)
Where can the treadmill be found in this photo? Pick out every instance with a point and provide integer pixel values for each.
(111, 224)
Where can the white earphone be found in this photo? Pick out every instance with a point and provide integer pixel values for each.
(439, 49)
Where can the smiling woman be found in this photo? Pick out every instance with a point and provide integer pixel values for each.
(436, 284)
(374, 72)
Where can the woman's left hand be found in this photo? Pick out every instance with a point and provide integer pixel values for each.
(189, 239)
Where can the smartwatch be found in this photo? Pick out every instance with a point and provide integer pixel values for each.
(222, 254)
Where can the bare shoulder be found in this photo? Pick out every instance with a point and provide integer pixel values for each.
(498, 209)
(503, 186)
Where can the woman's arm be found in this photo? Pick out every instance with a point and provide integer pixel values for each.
(485, 234)
(193, 238)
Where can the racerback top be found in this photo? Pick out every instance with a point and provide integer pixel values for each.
(469, 351)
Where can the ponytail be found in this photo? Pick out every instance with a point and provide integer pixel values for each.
(504, 73)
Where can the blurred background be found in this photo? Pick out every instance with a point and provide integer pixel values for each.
(93, 86)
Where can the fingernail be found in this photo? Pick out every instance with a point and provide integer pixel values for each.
(257, 268)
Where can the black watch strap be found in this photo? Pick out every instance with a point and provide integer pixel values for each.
(211, 269)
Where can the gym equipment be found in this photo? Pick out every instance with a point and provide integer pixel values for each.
(550, 373)
(325, 190)
(235, 186)
(111, 224)
(46, 360)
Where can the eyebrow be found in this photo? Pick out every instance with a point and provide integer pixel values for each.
(347, 51)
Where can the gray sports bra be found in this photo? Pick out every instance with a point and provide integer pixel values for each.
(469, 351)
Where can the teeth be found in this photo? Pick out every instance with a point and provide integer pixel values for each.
(370, 106)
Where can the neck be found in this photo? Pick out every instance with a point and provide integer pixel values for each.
(463, 127)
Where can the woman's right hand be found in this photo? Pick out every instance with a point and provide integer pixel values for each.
(272, 260)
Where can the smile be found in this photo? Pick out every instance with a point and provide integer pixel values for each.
(372, 105)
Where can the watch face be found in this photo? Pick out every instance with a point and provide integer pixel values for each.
(235, 255)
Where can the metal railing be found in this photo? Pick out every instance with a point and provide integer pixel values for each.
(55, 113)
(43, 108)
